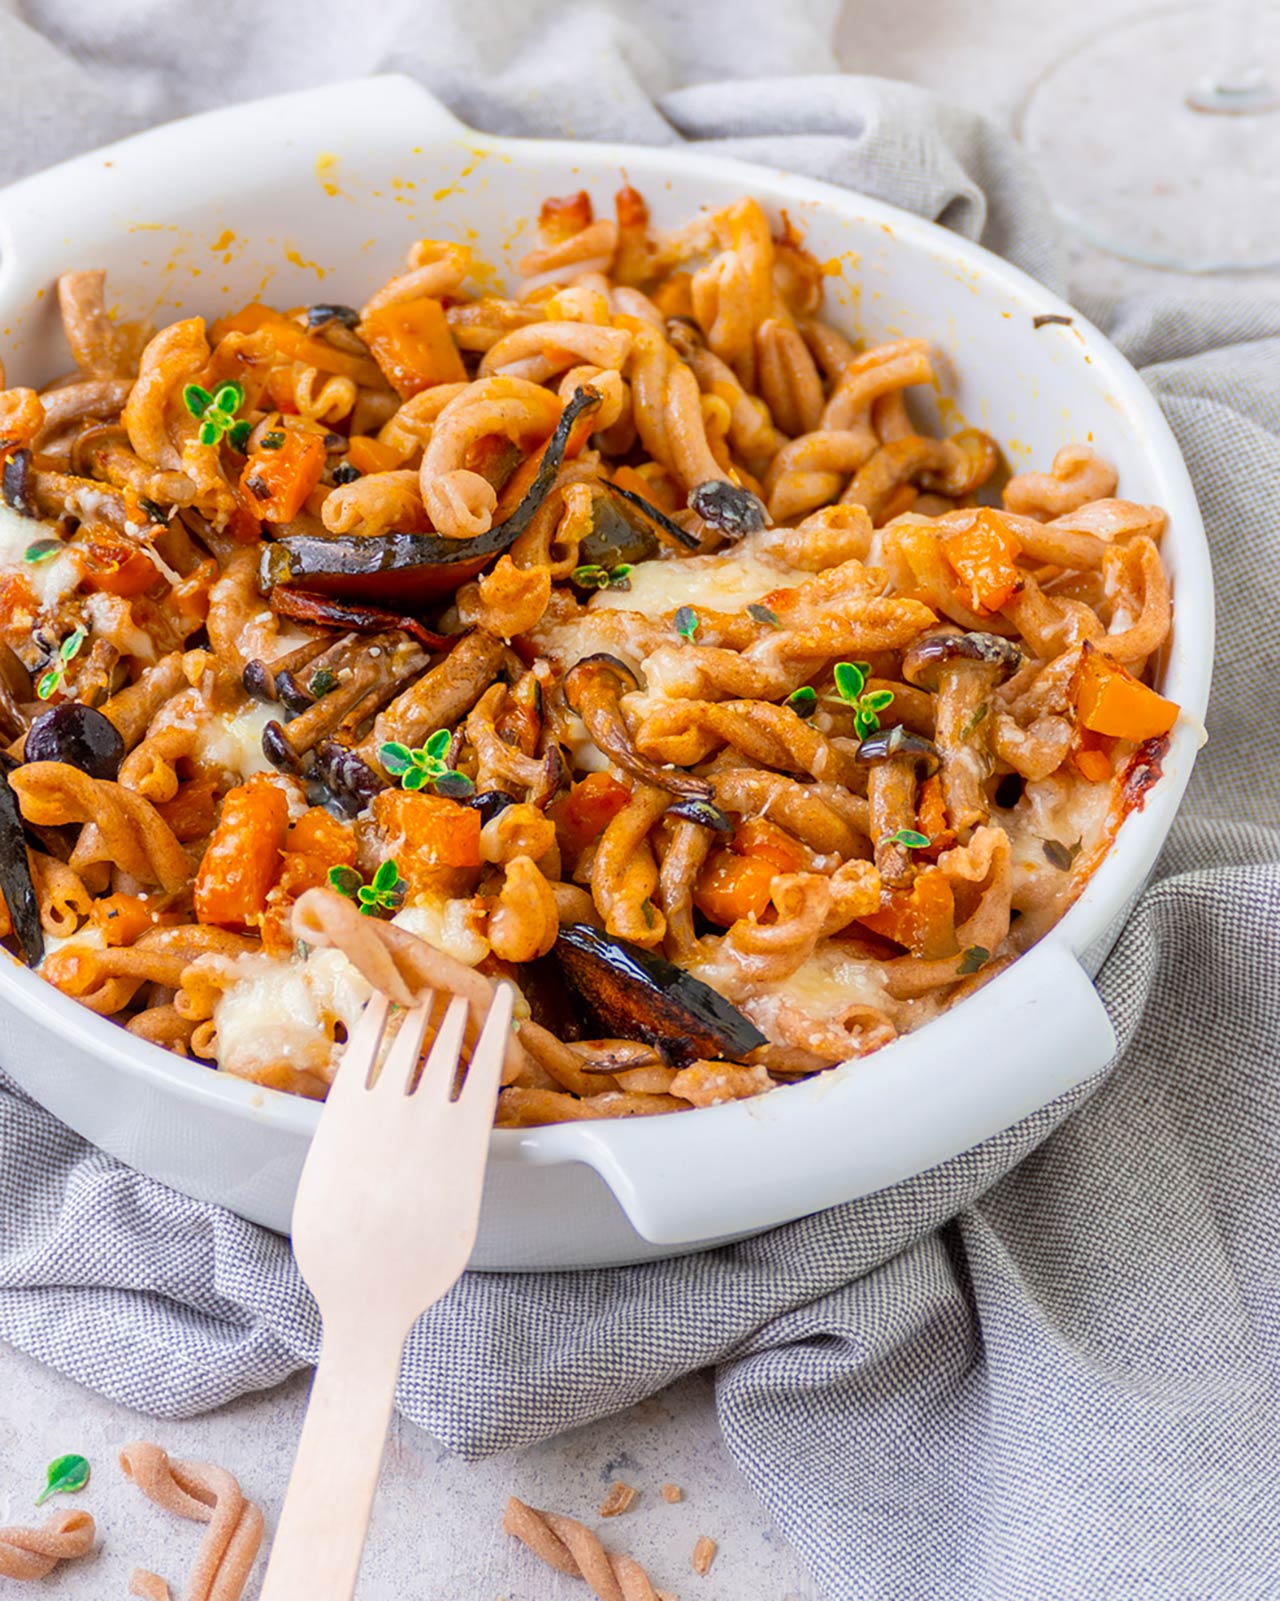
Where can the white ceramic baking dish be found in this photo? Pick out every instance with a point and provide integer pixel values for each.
(316, 196)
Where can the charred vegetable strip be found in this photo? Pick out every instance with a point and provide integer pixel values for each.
(328, 611)
(15, 873)
(673, 530)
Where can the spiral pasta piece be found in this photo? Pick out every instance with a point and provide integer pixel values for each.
(571, 1548)
(205, 1494)
(35, 1553)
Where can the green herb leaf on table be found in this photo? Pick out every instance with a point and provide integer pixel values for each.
(977, 956)
(65, 1476)
(686, 622)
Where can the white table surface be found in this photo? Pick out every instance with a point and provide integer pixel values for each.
(435, 1530)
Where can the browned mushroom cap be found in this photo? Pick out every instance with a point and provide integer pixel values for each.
(594, 688)
(928, 656)
(899, 743)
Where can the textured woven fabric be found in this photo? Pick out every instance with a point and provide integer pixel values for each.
(1050, 1369)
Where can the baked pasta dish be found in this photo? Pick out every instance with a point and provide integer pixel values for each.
(622, 635)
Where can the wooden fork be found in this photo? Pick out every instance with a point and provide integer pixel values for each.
(384, 1222)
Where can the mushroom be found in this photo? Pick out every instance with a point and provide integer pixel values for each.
(366, 677)
(961, 670)
(898, 760)
(594, 688)
(728, 507)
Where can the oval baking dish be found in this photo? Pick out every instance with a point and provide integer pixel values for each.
(327, 188)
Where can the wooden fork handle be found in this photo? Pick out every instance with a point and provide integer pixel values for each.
(321, 1534)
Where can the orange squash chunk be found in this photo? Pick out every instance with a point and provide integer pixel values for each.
(242, 860)
(1110, 700)
(983, 557)
(275, 483)
(435, 831)
(921, 918)
(732, 886)
(412, 344)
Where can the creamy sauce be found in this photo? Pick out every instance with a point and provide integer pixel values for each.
(730, 580)
(284, 1010)
(235, 743)
(50, 581)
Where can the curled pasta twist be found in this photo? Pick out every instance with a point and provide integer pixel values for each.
(205, 1494)
(570, 1547)
(128, 831)
(437, 268)
(543, 349)
(1078, 475)
(35, 1553)
(459, 501)
(687, 732)
(666, 405)
(624, 874)
(525, 920)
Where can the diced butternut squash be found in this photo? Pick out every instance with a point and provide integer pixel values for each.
(319, 833)
(242, 860)
(732, 886)
(413, 345)
(1110, 700)
(674, 297)
(121, 918)
(294, 343)
(984, 557)
(757, 836)
(275, 483)
(427, 829)
(369, 455)
(586, 811)
(115, 565)
(921, 918)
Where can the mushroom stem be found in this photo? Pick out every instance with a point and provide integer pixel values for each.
(377, 669)
(594, 688)
(962, 713)
(440, 698)
(891, 804)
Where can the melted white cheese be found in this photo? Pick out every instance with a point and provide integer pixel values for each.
(730, 580)
(50, 581)
(284, 1010)
(235, 743)
(446, 925)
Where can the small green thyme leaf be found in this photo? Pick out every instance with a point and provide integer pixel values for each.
(48, 683)
(396, 758)
(453, 785)
(196, 400)
(386, 877)
(1059, 855)
(977, 956)
(72, 643)
(66, 1475)
(763, 614)
(802, 701)
(322, 681)
(345, 880)
(51, 681)
(42, 550)
(271, 441)
(850, 679)
(437, 745)
(239, 435)
(154, 510)
(910, 839)
(590, 576)
(975, 722)
(620, 576)
(686, 622)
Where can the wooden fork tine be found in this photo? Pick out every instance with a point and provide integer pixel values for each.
(360, 1052)
(396, 1074)
(484, 1072)
(436, 1083)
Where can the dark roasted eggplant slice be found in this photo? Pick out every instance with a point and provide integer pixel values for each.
(15, 873)
(616, 537)
(402, 570)
(328, 611)
(659, 518)
(635, 994)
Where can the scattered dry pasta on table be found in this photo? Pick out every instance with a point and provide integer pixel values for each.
(622, 635)
(206, 1494)
(570, 1547)
(34, 1553)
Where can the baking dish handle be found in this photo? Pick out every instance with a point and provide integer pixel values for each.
(1032, 1033)
(39, 215)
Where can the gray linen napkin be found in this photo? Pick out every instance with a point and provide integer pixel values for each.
(1049, 1369)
